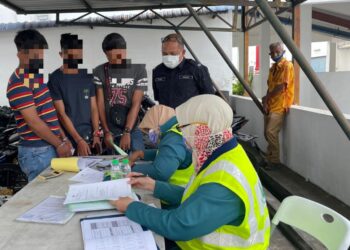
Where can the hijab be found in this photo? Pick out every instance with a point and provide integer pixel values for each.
(210, 118)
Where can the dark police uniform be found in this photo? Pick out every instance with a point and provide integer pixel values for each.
(172, 87)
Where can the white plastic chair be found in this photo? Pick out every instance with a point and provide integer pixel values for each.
(326, 225)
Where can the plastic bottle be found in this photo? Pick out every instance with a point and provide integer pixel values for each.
(116, 172)
(126, 169)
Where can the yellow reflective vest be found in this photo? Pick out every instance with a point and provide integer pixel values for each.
(233, 170)
(181, 176)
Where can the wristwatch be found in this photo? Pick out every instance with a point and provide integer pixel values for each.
(126, 130)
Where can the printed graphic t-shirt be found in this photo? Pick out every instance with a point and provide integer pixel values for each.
(123, 81)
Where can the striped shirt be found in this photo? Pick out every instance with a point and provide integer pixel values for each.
(25, 90)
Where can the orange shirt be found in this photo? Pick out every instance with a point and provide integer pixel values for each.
(281, 72)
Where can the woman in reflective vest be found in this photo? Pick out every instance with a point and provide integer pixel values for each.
(172, 161)
(223, 206)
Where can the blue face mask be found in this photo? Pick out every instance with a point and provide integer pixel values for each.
(278, 58)
(153, 136)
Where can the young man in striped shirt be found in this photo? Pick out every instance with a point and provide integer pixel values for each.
(41, 136)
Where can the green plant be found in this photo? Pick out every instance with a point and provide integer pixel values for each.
(237, 87)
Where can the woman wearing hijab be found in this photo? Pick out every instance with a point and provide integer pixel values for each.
(223, 205)
(172, 161)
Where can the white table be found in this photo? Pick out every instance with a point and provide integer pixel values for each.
(34, 236)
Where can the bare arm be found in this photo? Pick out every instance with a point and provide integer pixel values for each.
(94, 114)
(40, 128)
(83, 147)
(135, 108)
(125, 141)
(102, 114)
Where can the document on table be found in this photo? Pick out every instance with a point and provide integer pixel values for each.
(73, 164)
(51, 210)
(88, 175)
(115, 232)
(107, 190)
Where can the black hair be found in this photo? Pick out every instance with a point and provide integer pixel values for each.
(69, 41)
(30, 39)
(113, 41)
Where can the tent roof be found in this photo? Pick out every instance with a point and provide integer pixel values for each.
(65, 6)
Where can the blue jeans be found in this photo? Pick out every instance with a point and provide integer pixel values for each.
(33, 160)
(136, 140)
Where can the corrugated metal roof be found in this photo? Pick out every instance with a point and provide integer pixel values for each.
(52, 6)
(121, 16)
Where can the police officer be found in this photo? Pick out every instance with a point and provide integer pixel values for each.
(178, 79)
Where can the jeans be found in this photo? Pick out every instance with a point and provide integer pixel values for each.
(33, 160)
(136, 140)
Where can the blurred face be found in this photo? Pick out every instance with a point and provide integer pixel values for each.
(276, 52)
(172, 48)
(72, 57)
(32, 59)
(116, 56)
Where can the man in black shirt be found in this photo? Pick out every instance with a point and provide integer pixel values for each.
(73, 92)
(120, 88)
(178, 79)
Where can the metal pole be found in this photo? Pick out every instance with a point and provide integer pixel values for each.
(309, 72)
(225, 57)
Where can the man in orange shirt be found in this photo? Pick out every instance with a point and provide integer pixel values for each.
(277, 101)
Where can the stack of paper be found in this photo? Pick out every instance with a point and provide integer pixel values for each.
(115, 232)
(96, 196)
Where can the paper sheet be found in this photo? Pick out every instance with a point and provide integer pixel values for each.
(95, 205)
(51, 210)
(115, 232)
(107, 190)
(88, 175)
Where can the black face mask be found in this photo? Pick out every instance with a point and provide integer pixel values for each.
(124, 64)
(72, 63)
(35, 65)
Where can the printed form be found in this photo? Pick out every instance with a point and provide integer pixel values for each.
(51, 210)
(107, 190)
(115, 232)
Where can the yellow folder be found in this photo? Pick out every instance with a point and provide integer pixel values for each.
(66, 164)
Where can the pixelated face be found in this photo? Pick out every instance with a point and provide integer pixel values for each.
(116, 56)
(72, 58)
(32, 59)
(172, 48)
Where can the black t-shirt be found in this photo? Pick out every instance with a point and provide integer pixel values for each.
(172, 87)
(75, 90)
(123, 81)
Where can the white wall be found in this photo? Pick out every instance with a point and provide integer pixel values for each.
(312, 143)
(144, 46)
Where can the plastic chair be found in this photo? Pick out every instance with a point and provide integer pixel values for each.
(323, 223)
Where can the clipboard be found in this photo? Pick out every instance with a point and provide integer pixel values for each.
(115, 231)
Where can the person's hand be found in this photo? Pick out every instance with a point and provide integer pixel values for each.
(145, 183)
(122, 204)
(125, 141)
(83, 148)
(96, 143)
(264, 103)
(108, 139)
(64, 150)
(135, 156)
